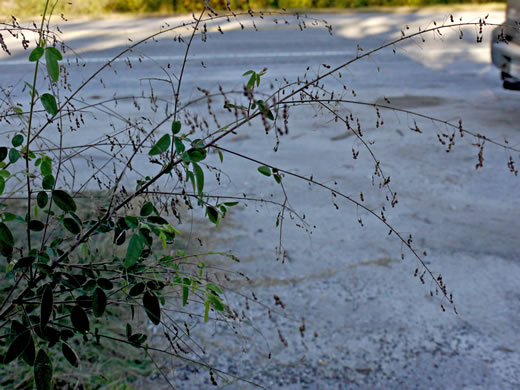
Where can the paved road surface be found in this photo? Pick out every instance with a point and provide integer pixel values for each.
(376, 325)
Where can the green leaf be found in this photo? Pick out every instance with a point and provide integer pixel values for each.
(176, 127)
(135, 248)
(216, 302)
(185, 294)
(3, 153)
(17, 346)
(71, 225)
(36, 226)
(248, 72)
(52, 56)
(277, 178)
(147, 209)
(206, 311)
(214, 288)
(99, 302)
(212, 214)
(41, 199)
(46, 167)
(79, 319)
(136, 289)
(2, 185)
(197, 155)
(54, 53)
(69, 354)
(17, 140)
(29, 353)
(264, 170)
(152, 307)
(42, 371)
(5, 235)
(14, 155)
(199, 175)
(63, 200)
(179, 146)
(48, 182)
(220, 155)
(49, 104)
(230, 204)
(36, 54)
(161, 146)
(46, 306)
(24, 262)
(105, 284)
(137, 338)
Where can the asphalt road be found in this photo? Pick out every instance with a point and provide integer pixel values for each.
(369, 322)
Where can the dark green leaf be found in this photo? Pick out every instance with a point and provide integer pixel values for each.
(136, 289)
(152, 307)
(29, 353)
(5, 235)
(197, 155)
(132, 221)
(49, 104)
(48, 182)
(17, 140)
(157, 220)
(185, 294)
(155, 285)
(128, 330)
(179, 146)
(137, 338)
(52, 56)
(41, 199)
(42, 371)
(79, 319)
(36, 54)
(135, 248)
(46, 306)
(84, 301)
(69, 354)
(214, 288)
(199, 175)
(230, 204)
(14, 155)
(277, 178)
(99, 302)
(176, 127)
(215, 301)
(212, 214)
(24, 262)
(147, 209)
(105, 284)
(264, 170)
(17, 346)
(3, 153)
(161, 146)
(63, 200)
(46, 167)
(2, 185)
(35, 225)
(71, 225)
(269, 115)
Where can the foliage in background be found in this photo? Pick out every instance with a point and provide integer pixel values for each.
(96, 7)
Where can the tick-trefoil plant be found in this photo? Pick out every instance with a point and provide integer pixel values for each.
(92, 231)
